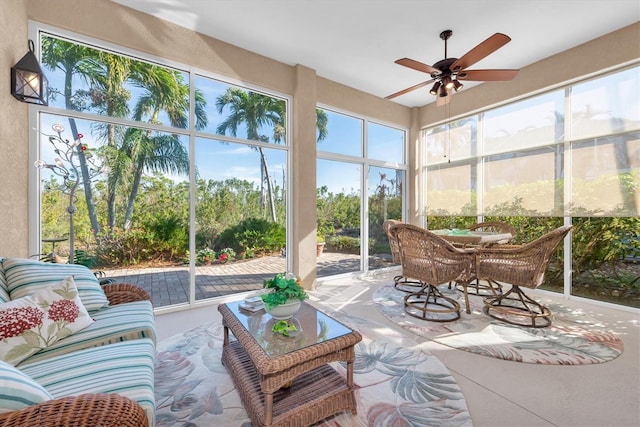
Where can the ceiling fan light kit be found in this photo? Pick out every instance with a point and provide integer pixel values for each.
(448, 72)
(434, 89)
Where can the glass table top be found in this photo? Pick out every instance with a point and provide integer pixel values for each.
(313, 327)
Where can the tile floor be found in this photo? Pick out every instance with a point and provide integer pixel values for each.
(500, 393)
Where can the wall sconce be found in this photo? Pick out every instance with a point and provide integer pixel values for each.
(28, 82)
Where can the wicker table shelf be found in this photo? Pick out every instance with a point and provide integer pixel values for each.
(289, 385)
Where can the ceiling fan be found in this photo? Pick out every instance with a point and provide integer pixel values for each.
(447, 73)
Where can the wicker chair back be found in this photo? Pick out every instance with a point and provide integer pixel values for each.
(428, 257)
(520, 265)
(393, 242)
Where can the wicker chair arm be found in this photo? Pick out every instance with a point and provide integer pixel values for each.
(120, 293)
(86, 410)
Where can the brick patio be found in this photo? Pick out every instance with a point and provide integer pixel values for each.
(170, 285)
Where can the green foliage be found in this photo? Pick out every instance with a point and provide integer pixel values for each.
(283, 288)
(603, 240)
(345, 244)
(205, 256)
(337, 211)
(128, 247)
(597, 243)
(253, 236)
(170, 235)
(229, 252)
(82, 257)
(284, 327)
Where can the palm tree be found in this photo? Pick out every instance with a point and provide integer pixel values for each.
(110, 96)
(73, 59)
(127, 152)
(255, 111)
(163, 90)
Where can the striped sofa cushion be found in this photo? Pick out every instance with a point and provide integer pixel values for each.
(25, 276)
(125, 368)
(4, 290)
(112, 324)
(18, 390)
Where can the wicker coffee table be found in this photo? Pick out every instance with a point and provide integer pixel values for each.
(288, 380)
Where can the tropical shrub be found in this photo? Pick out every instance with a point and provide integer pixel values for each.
(125, 247)
(345, 244)
(253, 236)
(170, 235)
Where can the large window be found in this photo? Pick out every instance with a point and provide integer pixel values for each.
(360, 182)
(140, 170)
(568, 156)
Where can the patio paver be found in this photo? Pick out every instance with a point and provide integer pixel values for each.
(170, 285)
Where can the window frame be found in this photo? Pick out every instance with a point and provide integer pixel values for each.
(36, 31)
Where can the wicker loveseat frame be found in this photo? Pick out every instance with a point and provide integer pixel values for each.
(86, 410)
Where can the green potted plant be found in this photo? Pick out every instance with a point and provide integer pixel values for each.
(285, 295)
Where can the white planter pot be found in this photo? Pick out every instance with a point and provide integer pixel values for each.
(284, 311)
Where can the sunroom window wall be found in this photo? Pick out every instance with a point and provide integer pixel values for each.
(568, 156)
(183, 164)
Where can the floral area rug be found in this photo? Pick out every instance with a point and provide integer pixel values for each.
(572, 339)
(396, 383)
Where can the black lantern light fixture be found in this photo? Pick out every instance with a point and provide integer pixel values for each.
(28, 82)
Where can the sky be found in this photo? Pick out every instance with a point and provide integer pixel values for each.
(218, 160)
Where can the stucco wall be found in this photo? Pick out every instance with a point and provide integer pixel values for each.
(14, 146)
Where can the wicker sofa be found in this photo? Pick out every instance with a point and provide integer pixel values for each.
(91, 375)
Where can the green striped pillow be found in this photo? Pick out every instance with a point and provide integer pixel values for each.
(4, 291)
(18, 390)
(26, 276)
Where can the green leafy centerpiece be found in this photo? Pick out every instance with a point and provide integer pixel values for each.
(284, 327)
(285, 296)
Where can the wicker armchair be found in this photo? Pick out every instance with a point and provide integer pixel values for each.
(400, 282)
(434, 261)
(86, 410)
(520, 266)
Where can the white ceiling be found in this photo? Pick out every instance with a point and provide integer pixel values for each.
(355, 42)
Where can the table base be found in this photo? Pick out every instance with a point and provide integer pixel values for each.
(312, 397)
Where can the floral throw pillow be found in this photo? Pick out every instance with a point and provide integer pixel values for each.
(33, 323)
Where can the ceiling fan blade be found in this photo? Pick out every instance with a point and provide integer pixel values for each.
(488, 75)
(485, 48)
(409, 89)
(416, 65)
